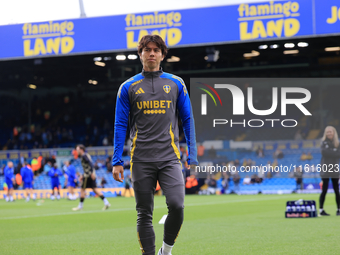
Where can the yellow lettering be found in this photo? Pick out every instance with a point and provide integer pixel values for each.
(43, 28)
(129, 40)
(161, 34)
(139, 21)
(70, 26)
(139, 105)
(169, 102)
(169, 18)
(63, 28)
(150, 104)
(334, 17)
(162, 104)
(39, 47)
(67, 44)
(177, 17)
(27, 48)
(275, 27)
(142, 33)
(244, 35)
(148, 19)
(155, 104)
(35, 29)
(53, 45)
(146, 104)
(253, 11)
(294, 7)
(56, 27)
(13, 156)
(174, 36)
(258, 29)
(286, 9)
(278, 8)
(263, 9)
(292, 26)
(240, 10)
(161, 18)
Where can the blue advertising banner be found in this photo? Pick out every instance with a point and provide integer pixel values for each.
(234, 23)
(327, 17)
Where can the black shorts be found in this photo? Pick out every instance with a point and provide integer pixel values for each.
(88, 183)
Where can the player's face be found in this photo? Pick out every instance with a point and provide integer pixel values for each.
(79, 151)
(151, 57)
(10, 164)
(329, 133)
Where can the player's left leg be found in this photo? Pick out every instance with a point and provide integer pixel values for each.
(100, 194)
(171, 180)
(28, 193)
(58, 192)
(71, 192)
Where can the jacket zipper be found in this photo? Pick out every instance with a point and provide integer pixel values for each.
(153, 90)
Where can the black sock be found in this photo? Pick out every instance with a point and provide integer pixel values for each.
(82, 199)
(102, 197)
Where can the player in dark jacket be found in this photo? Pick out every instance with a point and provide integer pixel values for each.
(88, 178)
(330, 166)
(151, 102)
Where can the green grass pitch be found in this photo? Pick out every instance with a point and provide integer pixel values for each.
(231, 224)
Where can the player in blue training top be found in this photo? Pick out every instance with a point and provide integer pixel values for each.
(54, 173)
(151, 102)
(9, 178)
(71, 178)
(27, 178)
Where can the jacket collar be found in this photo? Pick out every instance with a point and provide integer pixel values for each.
(152, 74)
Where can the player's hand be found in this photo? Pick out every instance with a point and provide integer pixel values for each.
(116, 170)
(93, 177)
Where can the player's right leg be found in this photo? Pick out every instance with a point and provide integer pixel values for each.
(144, 178)
(27, 189)
(33, 195)
(100, 194)
(325, 182)
(52, 193)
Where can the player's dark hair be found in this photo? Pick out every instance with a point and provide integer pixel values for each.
(152, 38)
(81, 146)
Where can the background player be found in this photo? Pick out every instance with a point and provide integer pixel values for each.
(54, 173)
(71, 179)
(127, 186)
(9, 176)
(330, 161)
(154, 133)
(88, 178)
(27, 178)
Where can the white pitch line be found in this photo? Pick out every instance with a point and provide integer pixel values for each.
(132, 209)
